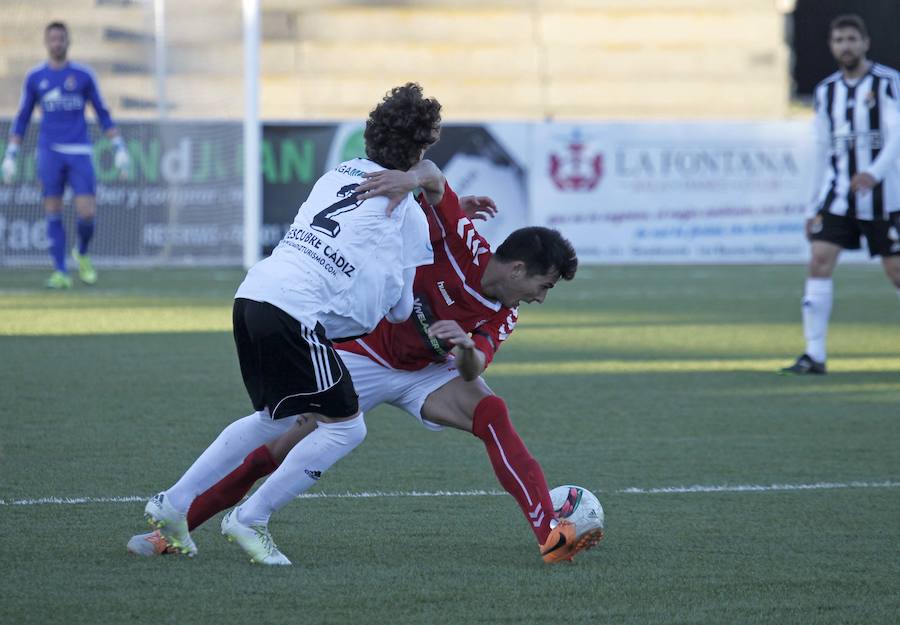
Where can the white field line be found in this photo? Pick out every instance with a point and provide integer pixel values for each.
(697, 488)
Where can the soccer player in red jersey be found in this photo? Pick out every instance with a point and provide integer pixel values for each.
(430, 365)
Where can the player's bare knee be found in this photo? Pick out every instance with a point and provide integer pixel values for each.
(464, 421)
(479, 395)
(85, 206)
(53, 205)
(893, 273)
(821, 266)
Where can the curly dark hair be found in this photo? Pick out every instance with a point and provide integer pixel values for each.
(401, 125)
(541, 249)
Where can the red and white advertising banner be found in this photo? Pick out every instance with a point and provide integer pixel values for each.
(675, 192)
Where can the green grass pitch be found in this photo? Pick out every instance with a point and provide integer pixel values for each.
(628, 381)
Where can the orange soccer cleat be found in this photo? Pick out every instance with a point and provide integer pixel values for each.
(562, 544)
(559, 544)
(588, 540)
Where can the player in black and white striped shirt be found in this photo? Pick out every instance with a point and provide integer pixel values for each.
(857, 177)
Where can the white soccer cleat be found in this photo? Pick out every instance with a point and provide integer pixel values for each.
(254, 539)
(171, 524)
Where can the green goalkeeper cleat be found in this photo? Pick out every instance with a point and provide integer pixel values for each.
(86, 270)
(59, 280)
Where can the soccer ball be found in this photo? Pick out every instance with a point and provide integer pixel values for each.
(578, 505)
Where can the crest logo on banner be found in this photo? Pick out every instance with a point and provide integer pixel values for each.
(576, 169)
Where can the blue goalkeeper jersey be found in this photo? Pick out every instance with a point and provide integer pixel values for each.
(62, 94)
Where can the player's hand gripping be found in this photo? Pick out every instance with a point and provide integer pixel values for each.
(395, 185)
(450, 331)
(478, 207)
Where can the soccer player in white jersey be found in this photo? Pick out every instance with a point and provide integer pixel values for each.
(857, 177)
(345, 264)
(466, 306)
(63, 89)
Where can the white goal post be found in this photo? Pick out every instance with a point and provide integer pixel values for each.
(252, 136)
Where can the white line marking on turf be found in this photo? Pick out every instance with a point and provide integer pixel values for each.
(755, 488)
(697, 488)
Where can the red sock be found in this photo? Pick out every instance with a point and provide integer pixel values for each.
(519, 474)
(230, 489)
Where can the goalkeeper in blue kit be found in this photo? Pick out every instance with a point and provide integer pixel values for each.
(63, 88)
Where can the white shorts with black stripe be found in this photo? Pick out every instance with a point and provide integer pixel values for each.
(289, 369)
(379, 384)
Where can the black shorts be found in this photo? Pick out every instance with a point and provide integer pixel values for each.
(289, 369)
(882, 236)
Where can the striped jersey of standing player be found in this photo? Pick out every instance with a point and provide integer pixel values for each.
(63, 89)
(857, 177)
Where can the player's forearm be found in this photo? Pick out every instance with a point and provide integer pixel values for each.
(23, 115)
(20, 124)
(469, 362)
(103, 115)
(430, 179)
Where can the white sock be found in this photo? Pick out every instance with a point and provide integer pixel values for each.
(302, 468)
(817, 299)
(225, 454)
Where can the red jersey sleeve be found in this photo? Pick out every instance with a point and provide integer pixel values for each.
(489, 336)
(448, 209)
(448, 221)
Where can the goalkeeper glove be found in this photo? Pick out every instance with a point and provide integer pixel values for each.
(122, 160)
(9, 163)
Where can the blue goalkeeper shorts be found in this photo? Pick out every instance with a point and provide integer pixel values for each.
(55, 169)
